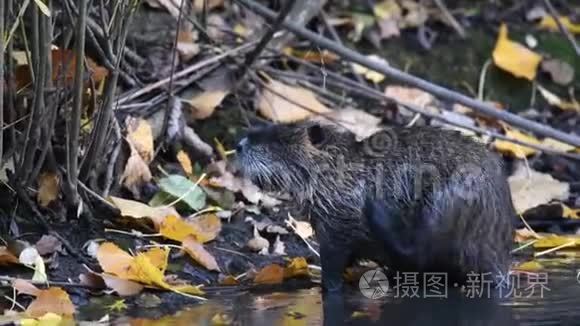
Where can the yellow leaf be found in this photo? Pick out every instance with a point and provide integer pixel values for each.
(548, 22)
(43, 7)
(284, 103)
(48, 188)
(573, 213)
(185, 162)
(297, 267)
(140, 135)
(137, 209)
(176, 228)
(514, 57)
(152, 275)
(205, 103)
(529, 266)
(374, 76)
(387, 9)
(556, 101)
(554, 240)
(513, 149)
(196, 251)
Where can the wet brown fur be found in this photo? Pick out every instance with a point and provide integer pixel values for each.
(438, 193)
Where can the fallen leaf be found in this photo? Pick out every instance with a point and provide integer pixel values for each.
(63, 68)
(221, 319)
(302, 228)
(123, 287)
(514, 57)
(554, 100)
(296, 268)
(359, 122)
(136, 172)
(229, 280)
(557, 145)
(48, 188)
(7, 258)
(548, 22)
(140, 135)
(150, 274)
(271, 274)
(185, 162)
(514, 149)
(180, 187)
(47, 244)
(280, 102)
(416, 14)
(530, 188)
(413, 97)
(25, 287)
(48, 319)
(137, 209)
(573, 213)
(562, 73)
(196, 251)
(258, 243)
(114, 260)
(187, 45)
(529, 266)
(52, 300)
(389, 15)
(204, 228)
(374, 76)
(524, 234)
(553, 240)
(316, 56)
(30, 257)
(210, 4)
(204, 104)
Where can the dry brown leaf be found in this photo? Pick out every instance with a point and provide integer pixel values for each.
(531, 188)
(54, 300)
(122, 286)
(48, 188)
(412, 96)
(271, 274)
(229, 280)
(25, 287)
(185, 162)
(187, 45)
(359, 122)
(280, 102)
(135, 209)
(514, 57)
(140, 135)
(7, 258)
(47, 244)
(136, 172)
(196, 251)
(211, 4)
(204, 104)
(316, 56)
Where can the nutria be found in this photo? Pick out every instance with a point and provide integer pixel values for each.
(418, 199)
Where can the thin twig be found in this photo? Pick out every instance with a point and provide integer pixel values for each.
(554, 13)
(75, 121)
(185, 72)
(403, 77)
(254, 54)
(2, 46)
(450, 19)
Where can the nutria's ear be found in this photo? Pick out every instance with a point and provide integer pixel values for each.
(315, 134)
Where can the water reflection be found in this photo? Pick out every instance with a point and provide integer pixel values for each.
(558, 305)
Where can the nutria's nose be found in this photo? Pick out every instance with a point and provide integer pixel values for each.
(242, 145)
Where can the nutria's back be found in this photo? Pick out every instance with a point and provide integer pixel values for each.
(448, 192)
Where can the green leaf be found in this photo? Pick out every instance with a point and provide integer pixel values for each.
(181, 187)
(42, 6)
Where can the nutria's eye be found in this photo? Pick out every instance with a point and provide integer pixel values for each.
(315, 135)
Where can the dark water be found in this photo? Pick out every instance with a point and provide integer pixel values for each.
(547, 297)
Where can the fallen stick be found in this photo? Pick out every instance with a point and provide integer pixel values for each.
(351, 55)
